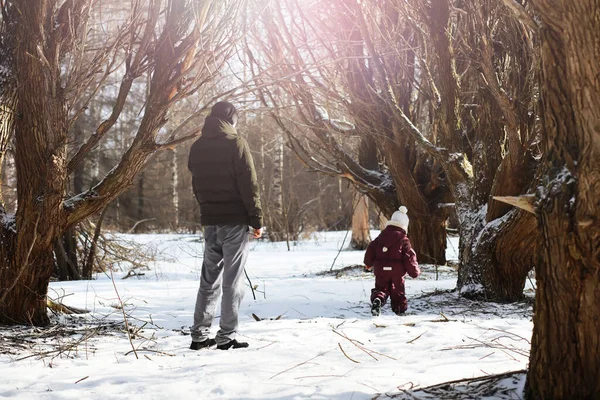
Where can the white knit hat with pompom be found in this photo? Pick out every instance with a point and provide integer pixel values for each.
(399, 219)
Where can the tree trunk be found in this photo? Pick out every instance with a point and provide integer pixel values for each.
(6, 133)
(24, 278)
(381, 221)
(27, 258)
(496, 257)
(340, 196)
(47, 65)
(565, 348)
(88, 265)
(498, 244)
(361, 235)
(416, 183)
(65, 254)
(174, 192)
(428, 239)
(65, 248)
(278, 221)
(140, 212)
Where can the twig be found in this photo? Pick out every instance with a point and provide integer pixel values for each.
(82, 379)
(502, 347)
(342, 323)
(138, 223)
(345, 237)
(353, 342)
(348, 357)
(267, 345)
(131, 273)
(409, 394)
(250, 282)
(304, 315)
(340, 250)
(360, 346)
(302, 363)
(415, 339)
(60, 350)
(522, 14)
(320, 376)
(507, 332)
(151, 351)
(124, 315)
(483, 378)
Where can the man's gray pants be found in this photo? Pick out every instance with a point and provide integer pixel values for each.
(225, 254)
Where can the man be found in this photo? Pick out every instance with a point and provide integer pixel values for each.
(225, 185)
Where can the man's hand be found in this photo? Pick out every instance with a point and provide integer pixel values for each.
(368, 268)
(257, 233)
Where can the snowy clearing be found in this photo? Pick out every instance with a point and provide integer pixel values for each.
(316, 337)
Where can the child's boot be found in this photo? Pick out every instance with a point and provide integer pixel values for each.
(376, 307)
(399, 311)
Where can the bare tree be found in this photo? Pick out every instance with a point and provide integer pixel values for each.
(421, 103)
(314, 58)
(172, 41)
(566, 345)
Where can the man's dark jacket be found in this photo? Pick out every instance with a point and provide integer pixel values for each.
(224, 180)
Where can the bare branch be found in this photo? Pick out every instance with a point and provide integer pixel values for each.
(521, 14)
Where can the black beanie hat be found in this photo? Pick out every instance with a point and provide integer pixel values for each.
(224, 111)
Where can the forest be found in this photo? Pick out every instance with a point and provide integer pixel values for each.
(482, 117)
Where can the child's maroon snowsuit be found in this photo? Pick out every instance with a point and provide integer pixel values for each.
(391, 257)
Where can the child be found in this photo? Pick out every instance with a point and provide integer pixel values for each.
(391, 256)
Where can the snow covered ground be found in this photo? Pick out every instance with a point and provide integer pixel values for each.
(316, 338)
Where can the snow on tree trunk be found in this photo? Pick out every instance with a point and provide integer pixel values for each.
(566, 342)
(361, 236)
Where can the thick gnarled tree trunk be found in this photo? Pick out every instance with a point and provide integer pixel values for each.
(23, 301)
(496, 257)
(42, 33)
(40, 157)
(565, 351)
